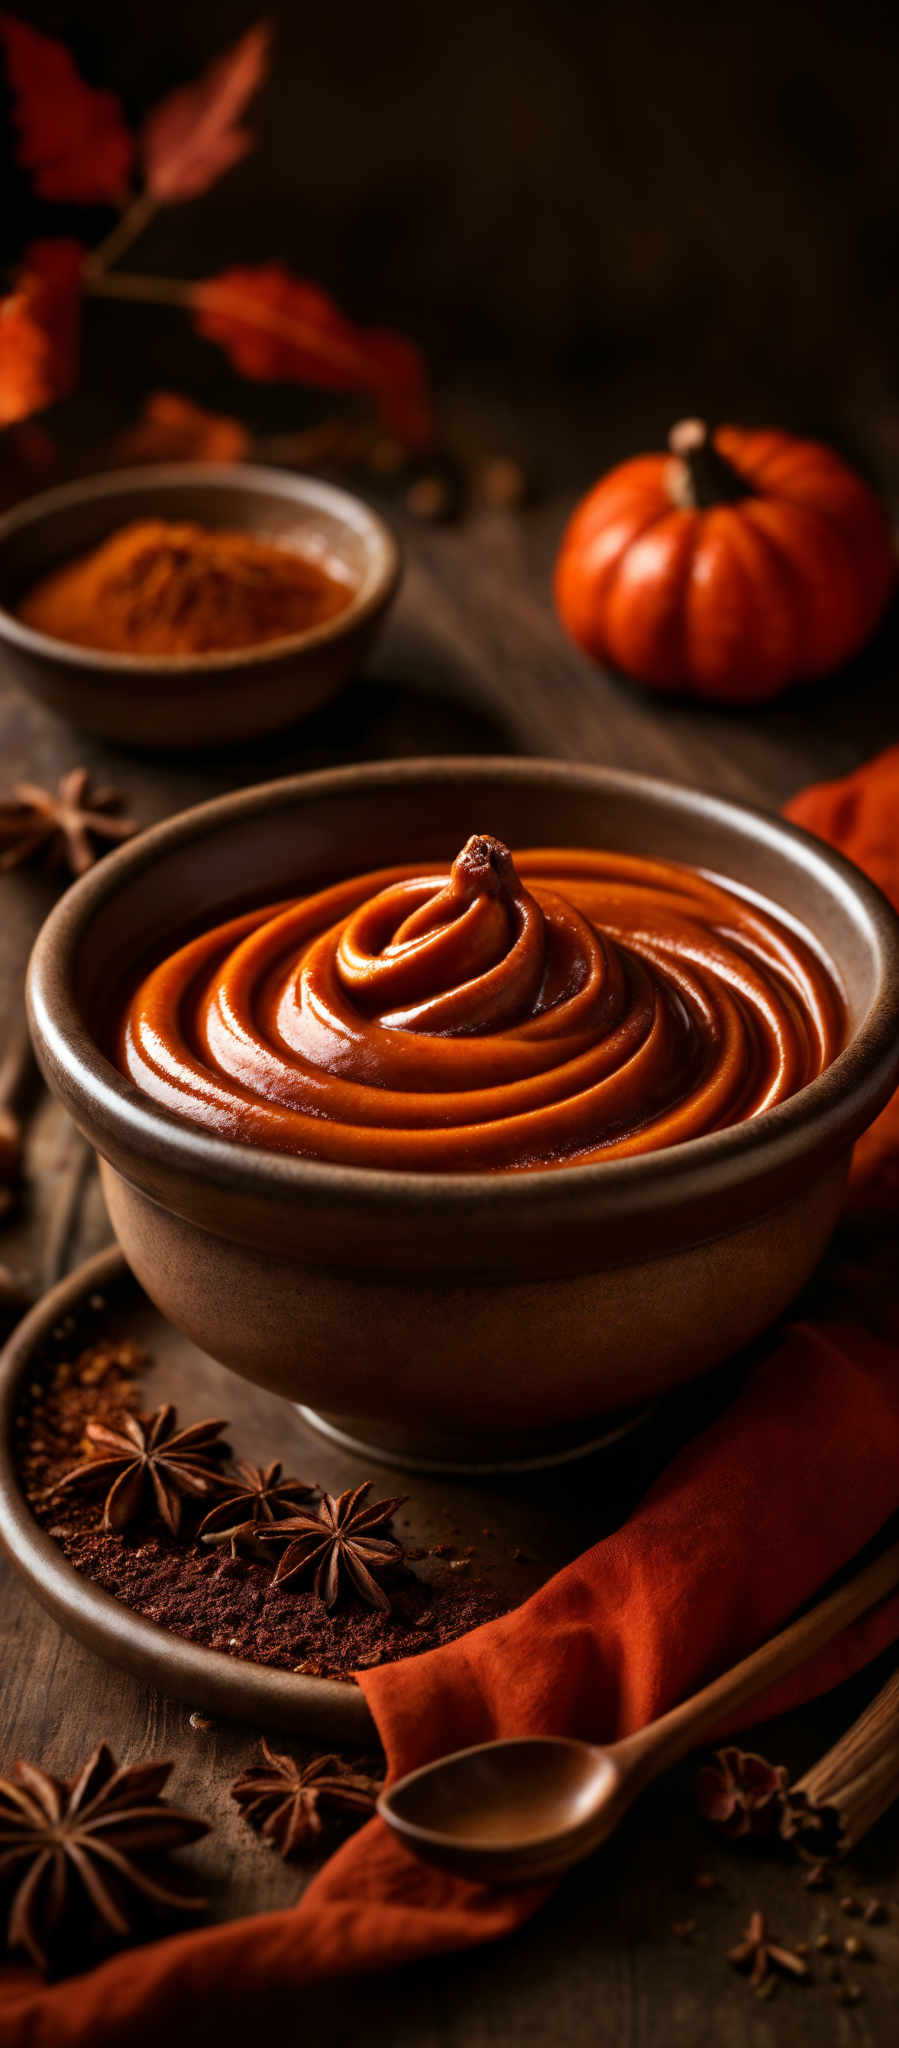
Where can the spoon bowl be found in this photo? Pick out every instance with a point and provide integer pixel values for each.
(510, 1812)
(522, 1810)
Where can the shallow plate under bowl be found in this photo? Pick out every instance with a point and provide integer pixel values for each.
(521, 1529)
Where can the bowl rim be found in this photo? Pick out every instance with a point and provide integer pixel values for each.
(384, 563)
(828, 1111)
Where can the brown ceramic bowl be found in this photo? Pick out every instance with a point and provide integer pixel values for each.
(185, 701)
(412, 1305)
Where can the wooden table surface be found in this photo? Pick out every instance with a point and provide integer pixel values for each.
(473, 661)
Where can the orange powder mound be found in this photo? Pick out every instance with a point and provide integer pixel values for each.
(161, 587)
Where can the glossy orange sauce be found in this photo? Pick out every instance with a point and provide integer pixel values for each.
(563, 1006)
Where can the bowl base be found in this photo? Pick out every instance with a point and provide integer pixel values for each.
(470, 1456)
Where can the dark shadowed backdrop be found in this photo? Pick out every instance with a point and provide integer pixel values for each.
(701, 210)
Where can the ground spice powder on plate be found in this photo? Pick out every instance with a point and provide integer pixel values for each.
(220, 1602)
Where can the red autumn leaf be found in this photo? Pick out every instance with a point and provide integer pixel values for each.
(72, 139)
(172, 429)
(39, 325)
(193, 136)
(277, 328)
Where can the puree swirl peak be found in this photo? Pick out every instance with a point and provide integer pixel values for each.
(511, 1013)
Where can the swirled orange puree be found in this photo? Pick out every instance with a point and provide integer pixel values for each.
(562, 1006)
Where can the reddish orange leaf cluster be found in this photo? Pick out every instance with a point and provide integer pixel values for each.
(72, 139)
(271, 325)
(275, 327)
(39, 330)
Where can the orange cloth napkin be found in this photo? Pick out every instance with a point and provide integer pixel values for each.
(747, 1522)
(860, 815)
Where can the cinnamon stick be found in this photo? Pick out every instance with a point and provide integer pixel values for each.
(839, 1799)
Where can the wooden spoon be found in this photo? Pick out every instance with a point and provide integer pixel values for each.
(518, 1811)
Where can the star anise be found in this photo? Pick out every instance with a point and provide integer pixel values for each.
(149, 1462)
(283, 1799)
(757, 1952)
(256, 1494)
(83, 1852)
(742, 1793)
(62, 825)
(337, 1543)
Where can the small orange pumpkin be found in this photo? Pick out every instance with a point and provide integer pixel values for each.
(729, 568)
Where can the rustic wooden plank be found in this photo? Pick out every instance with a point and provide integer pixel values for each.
(472, 661)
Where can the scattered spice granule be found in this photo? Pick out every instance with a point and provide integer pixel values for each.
(850, 1906)
(222, 1603)
(503, 484)
(429, 498)
(875, 1913)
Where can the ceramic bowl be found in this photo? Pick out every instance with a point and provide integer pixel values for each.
(203, 700)
(409, 1307)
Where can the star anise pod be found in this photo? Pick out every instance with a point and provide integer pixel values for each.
(757, 1952)
(742, 1793)
(149, 1461)
(62, 825)
(256, 1494)
(338, 1544)
(283, 1799)
(83, 1852)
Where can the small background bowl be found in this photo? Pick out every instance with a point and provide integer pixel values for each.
(202, 700)
(420, 1309)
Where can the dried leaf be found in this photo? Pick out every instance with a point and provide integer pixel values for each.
(72, 139)
(193, 136)
(39, 322)
(278, 328)
(172, 429)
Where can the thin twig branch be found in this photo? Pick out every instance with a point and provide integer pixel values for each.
(129, 225)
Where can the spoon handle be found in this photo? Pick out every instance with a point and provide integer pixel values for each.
(664, 1742)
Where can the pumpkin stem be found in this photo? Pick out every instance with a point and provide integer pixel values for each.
(699, 477)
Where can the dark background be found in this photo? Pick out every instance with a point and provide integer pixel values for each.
(684, 214)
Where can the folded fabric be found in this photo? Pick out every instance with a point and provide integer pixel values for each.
(746, 1523)
(860, 815)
